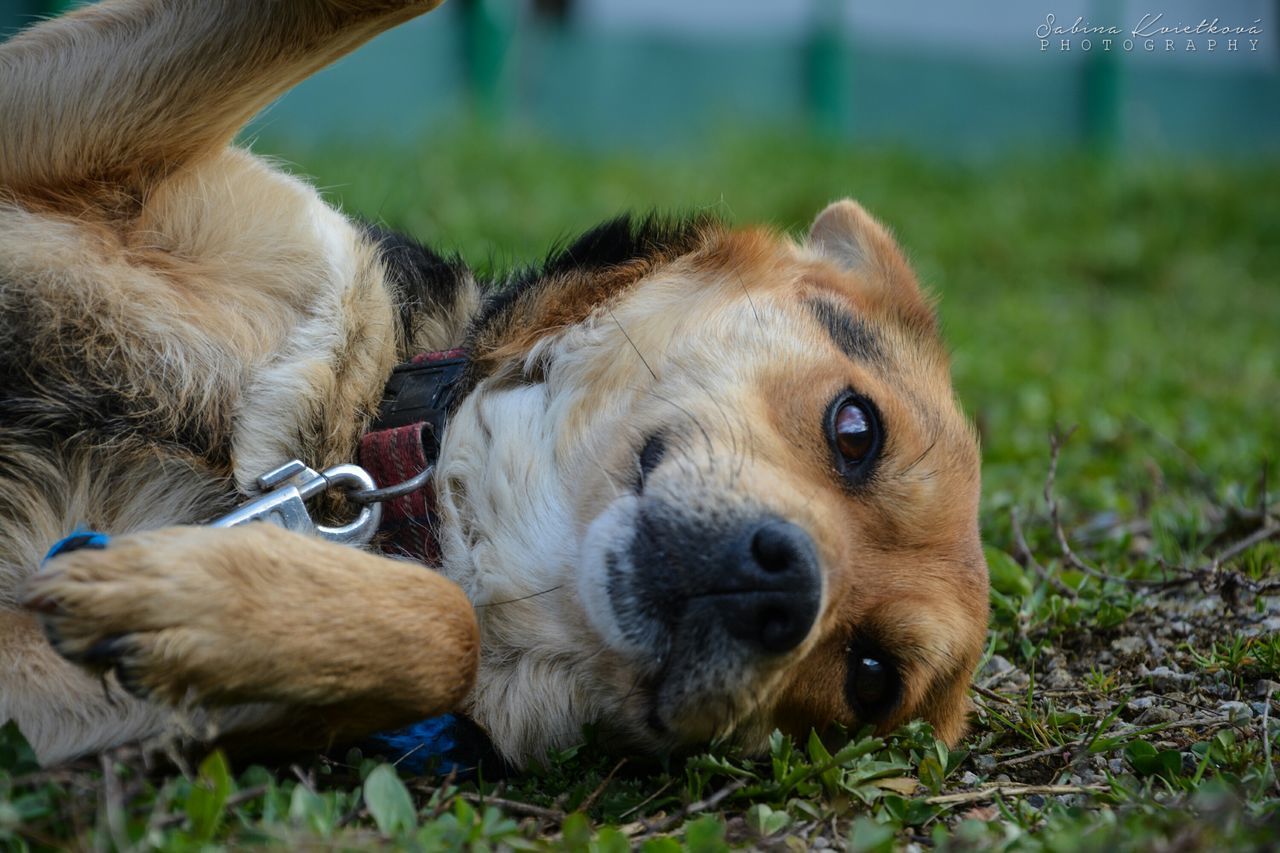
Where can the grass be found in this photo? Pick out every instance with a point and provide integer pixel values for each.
(1126, 698)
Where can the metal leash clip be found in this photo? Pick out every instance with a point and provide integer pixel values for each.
(287, 490)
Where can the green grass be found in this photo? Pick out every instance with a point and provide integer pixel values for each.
(1138, 302)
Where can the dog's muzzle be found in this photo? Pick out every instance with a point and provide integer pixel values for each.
(748, 588)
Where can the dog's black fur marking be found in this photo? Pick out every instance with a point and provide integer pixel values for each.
(854, 338)
(423, 282)
(618, 241)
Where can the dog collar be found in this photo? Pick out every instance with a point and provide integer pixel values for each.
(403, 440)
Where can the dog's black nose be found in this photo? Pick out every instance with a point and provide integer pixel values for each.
(772, 587)
(736, 587)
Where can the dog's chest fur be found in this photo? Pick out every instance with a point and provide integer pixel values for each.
(155, 358)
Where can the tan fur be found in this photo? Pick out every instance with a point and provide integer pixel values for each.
(220, 319)
(259, 614)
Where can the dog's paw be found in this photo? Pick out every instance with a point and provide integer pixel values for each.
(257, 613)
(137, 608)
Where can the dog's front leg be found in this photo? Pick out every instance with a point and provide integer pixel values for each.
(260, 614)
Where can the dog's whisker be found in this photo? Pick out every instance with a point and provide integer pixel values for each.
(736, 452)
(635, 685)
(750, 301)
(643, 360)
(921, 457)
(521, 598)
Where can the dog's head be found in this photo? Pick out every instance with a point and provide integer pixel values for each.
(708, 483)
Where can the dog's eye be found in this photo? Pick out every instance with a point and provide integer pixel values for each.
(873, 686)
(855, 435)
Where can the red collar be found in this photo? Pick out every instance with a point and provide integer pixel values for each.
(403, 440)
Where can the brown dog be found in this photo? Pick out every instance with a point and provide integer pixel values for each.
(696, 482)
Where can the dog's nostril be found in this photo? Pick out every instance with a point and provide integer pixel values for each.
(776, 547)
(771, 622)
(772, 587)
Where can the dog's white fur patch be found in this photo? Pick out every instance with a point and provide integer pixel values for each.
(601, 549)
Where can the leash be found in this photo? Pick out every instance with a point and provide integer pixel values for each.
(397, 456)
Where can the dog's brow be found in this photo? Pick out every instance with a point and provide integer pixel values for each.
(850, 334)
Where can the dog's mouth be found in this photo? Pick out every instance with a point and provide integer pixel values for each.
(669, 709)
(705, 609)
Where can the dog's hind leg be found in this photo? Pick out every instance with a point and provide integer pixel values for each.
(118, 94)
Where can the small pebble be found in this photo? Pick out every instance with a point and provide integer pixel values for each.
(1164, 678)
(1157, 714)
(1266, 686)
(996, 666)
(970, 778)
(820, 843)
(1259, 708)
(1059, 679)
(1003, 779)
(985, 763)
(1129, 645)
(1116, 766)
(1142, 703)
(1236, 711)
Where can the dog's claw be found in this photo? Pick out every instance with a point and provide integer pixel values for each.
(127, 678)
(44, 604)
(105, 652)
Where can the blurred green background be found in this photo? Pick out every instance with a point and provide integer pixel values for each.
(1138, 300)
(1102, 228)
(951, 78)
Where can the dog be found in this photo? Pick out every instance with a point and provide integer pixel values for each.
(697, 483)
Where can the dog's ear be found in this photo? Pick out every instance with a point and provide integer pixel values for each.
(436, 295)
(847, 235)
